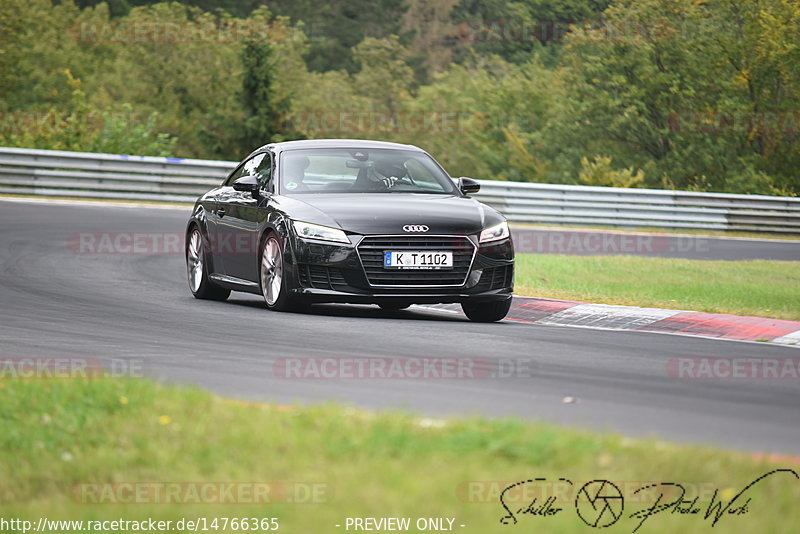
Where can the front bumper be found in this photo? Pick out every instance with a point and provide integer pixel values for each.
(328, 272)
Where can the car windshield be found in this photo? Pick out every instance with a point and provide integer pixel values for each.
(341, 170)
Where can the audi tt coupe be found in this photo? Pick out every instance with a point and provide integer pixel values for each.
(350, 221)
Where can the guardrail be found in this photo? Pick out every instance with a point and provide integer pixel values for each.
(108, 176)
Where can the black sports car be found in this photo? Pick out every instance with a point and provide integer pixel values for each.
(350, 221)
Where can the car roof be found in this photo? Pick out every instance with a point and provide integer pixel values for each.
(337, 143)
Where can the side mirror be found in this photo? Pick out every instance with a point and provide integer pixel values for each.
(468, 185)
(247, 184)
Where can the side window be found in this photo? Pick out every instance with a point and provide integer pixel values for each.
(249, 167)
(264, 173)
(238, 173)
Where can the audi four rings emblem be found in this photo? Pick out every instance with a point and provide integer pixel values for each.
(415, 228)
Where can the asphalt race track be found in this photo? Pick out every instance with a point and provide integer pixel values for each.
(58, 302)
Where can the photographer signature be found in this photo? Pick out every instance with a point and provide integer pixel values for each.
(600, 503)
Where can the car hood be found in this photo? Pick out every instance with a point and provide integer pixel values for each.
(388, 213)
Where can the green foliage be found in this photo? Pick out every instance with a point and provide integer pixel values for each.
(599, 172)
(80, 128)
(119, 135)
(699, 95)
(265, 111)
(691, 89)
(516, 29)
(383, 73)
(258, 99)
(505, 107)
(120, 8)
(335, 27)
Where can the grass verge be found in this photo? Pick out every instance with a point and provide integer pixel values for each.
(761, 288)
(62, 433)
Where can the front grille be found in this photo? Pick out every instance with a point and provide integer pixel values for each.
(320, 277)
(371, 250)
(496, 278)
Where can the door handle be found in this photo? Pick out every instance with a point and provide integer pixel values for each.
(221, 212)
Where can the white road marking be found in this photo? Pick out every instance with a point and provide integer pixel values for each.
(788, 339)
(604, 315)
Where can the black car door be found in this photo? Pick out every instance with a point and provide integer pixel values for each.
(221, 232)
(241, 221)
(213, 204)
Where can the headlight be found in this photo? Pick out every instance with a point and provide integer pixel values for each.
(316, 231)
(495, 233)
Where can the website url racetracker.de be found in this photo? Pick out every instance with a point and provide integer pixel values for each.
(199, 524)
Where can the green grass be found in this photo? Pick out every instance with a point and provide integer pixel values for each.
(59, 433)
(761, 288)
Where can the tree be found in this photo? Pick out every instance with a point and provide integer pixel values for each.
(433, 36)
(384, 74)
(680, 88)
(335, 27)
(599, 172)
(515, 30)
(262, 113)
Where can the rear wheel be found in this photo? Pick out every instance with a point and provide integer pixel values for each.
(273, 279)
(197, 270)
(486, 312)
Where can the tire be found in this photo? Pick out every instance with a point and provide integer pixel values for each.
(197, 270)
(271, 275)
(486, 312)
(393, 306)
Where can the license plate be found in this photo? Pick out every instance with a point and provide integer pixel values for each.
(417, 259)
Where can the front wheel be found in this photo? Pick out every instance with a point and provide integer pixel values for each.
(273, 279)
(197, 270)
(486, 312)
